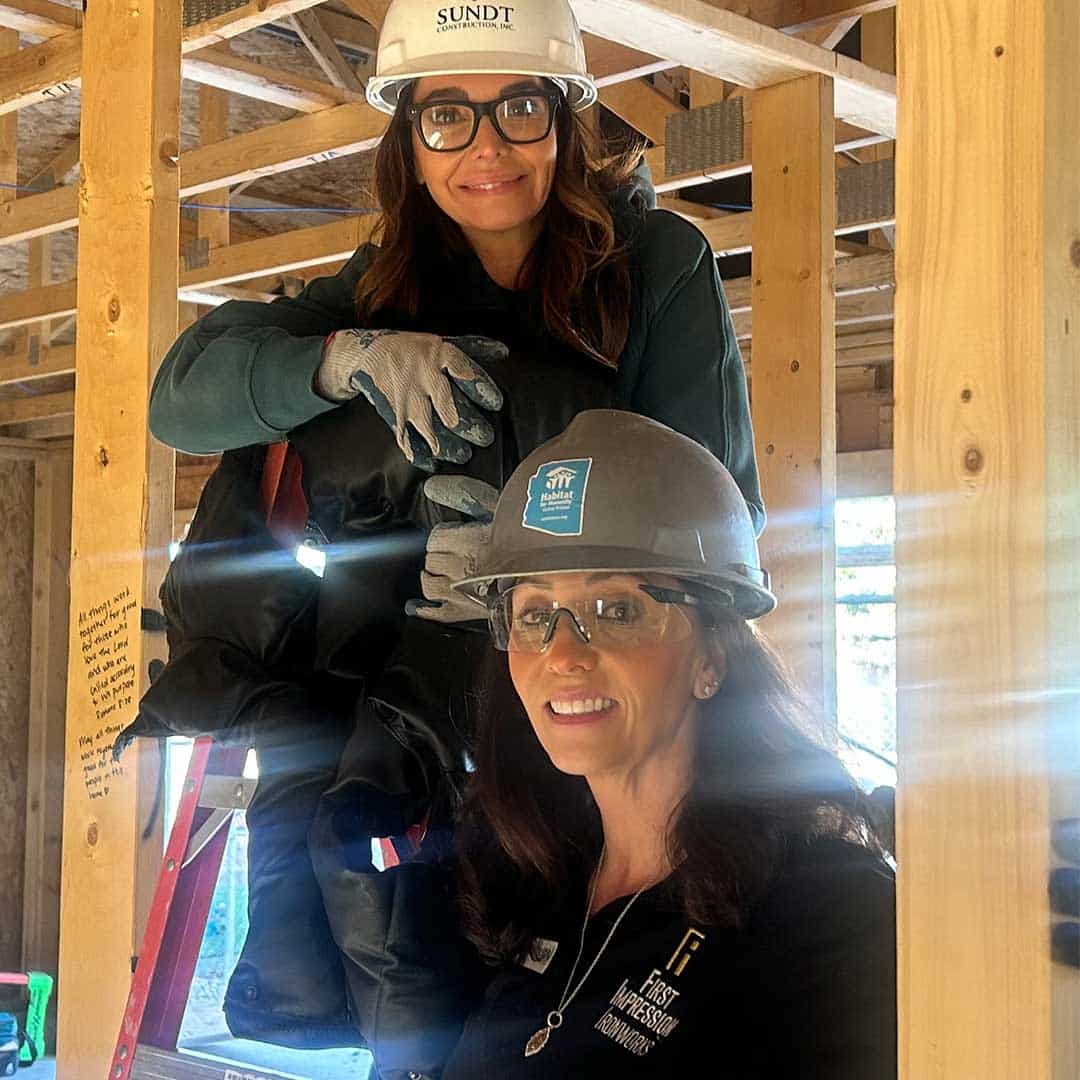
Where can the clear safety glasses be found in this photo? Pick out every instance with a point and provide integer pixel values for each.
(614, 616)
(523, 117)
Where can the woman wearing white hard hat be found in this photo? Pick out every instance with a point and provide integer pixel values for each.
(499, 220)
(517, 279)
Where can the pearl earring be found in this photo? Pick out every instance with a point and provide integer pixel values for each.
(710, 688)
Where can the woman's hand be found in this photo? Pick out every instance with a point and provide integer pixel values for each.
(453, 549)
(423, 386)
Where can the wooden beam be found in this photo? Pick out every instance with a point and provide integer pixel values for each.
(829, 35)
(326, 244)
(609, 62)
(987, 456)
(351, 33)
(277, 254)
(40, 18)
(799, 15)
(295, 250)
(732, 235)
(241, 20)
(794, 377)
(641, 106)
(41, 72)
(851, 310)
(226, 71)
(310, 30)
(53, 68)
(728, 46)
(20, 410)
(121, 511)
(45, 362)
(33, 305)
(867, 273)
(864, 473)
(371, 11)
(338, 132)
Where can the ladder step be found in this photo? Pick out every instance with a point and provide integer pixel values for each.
(152, 1063)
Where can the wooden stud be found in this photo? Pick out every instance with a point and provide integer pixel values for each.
(9, 171)
(794, 375)
(214, 127)
(987, 384)
(121, 511)
(309, 29)
(641, 106)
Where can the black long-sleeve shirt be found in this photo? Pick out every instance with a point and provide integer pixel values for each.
(806, 991)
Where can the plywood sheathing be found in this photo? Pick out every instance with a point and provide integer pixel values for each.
(16, 597)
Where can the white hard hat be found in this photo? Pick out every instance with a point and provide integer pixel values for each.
(525, 37)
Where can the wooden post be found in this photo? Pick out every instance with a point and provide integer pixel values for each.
(794, 374)
(987, 460)
(122, 506)
(213, 127)
(9, 159)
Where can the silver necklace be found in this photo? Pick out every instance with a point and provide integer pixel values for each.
(539, 1040)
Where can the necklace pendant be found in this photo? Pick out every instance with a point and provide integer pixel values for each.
(538, 1041)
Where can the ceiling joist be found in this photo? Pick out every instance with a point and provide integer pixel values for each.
(305, 140)
(727, 46)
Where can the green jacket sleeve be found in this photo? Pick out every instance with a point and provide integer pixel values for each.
(243, 373)
(689, 373)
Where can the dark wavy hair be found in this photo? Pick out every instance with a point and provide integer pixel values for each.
(580, 264)
(530, 834)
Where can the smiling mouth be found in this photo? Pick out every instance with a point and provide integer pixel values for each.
(491, 185)
(579, 710)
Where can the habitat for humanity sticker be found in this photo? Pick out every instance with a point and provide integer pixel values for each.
(556, 502)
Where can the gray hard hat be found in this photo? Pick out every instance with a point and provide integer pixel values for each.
(618, 492)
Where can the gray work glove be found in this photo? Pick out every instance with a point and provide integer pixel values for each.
(453, 548)
(423, 386)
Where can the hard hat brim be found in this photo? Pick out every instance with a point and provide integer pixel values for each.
(383, 91)
(748, 585)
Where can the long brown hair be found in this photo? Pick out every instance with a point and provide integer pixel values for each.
(580, 264)
(531, 834)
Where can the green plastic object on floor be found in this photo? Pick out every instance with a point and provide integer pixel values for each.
(40, 988)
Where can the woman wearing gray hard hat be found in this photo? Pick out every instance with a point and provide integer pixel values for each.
(668, 873)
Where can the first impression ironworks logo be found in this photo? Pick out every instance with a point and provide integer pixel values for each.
(474, 17)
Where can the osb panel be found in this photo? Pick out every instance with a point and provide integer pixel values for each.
(16, 584)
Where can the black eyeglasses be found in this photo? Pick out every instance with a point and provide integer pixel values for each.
(522, 117)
